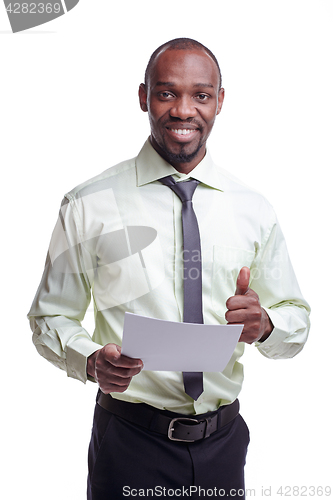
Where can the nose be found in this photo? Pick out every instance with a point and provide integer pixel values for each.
(183, 108)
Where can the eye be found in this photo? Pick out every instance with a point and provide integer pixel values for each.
(165, 95)
(202, 97)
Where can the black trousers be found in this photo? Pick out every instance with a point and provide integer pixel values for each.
(127, 461)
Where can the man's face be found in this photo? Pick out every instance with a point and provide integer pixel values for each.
(182, 99)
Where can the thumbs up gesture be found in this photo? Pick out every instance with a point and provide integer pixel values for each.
(244, 308)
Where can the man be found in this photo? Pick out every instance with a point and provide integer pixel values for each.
(127, 235)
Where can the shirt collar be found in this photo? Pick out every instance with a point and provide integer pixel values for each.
(150, 167)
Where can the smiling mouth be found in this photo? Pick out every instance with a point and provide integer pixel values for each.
(182, 133)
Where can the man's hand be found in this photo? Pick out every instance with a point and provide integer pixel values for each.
(112, 371)
(244, 307)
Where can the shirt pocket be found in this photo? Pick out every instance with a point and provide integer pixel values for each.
(227, 262)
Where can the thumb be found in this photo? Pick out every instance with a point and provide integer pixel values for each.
(243, 281)
(117, 354)
(112, 352)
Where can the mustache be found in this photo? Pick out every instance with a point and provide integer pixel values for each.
(193, 122)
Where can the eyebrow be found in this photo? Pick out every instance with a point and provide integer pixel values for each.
(172, 84)
(164, 84)
(202, 85)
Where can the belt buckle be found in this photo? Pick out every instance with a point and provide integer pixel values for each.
(171, 429)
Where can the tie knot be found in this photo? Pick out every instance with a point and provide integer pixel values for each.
(184, 190)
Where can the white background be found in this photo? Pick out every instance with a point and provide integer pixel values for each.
(69, 110)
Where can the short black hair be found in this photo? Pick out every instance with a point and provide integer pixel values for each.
(180, 44)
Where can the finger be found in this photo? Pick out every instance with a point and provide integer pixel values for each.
(237, 302)
(126, 362)
(243, 281)
(121, 373)
(236, 317)
(112, 354)
(114, 379)
(242, 301)
(108, 386)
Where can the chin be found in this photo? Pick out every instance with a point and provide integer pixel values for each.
(182, 156)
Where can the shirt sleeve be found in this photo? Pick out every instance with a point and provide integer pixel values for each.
(275, 282)
(62, 299)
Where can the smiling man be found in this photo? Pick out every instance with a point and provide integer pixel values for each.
(168, 235)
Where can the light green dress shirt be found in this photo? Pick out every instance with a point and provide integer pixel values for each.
(119, 239)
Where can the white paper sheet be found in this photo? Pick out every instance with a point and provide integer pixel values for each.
(169, 346)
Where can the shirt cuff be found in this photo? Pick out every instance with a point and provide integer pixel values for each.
(271, 347)
(78, 351)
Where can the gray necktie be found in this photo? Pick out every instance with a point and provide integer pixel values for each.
(192, 276)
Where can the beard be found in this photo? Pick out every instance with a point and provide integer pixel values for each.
(181, 157)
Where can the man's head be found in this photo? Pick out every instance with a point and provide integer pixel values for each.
(182, 94)
(180, 44)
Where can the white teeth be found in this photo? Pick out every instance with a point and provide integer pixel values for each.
(182, 131)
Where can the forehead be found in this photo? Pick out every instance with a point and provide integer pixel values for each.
(187, 67)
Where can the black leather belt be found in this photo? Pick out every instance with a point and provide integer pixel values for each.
(175, 426)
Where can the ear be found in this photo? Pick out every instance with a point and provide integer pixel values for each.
(220, 101)
(143, 97)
